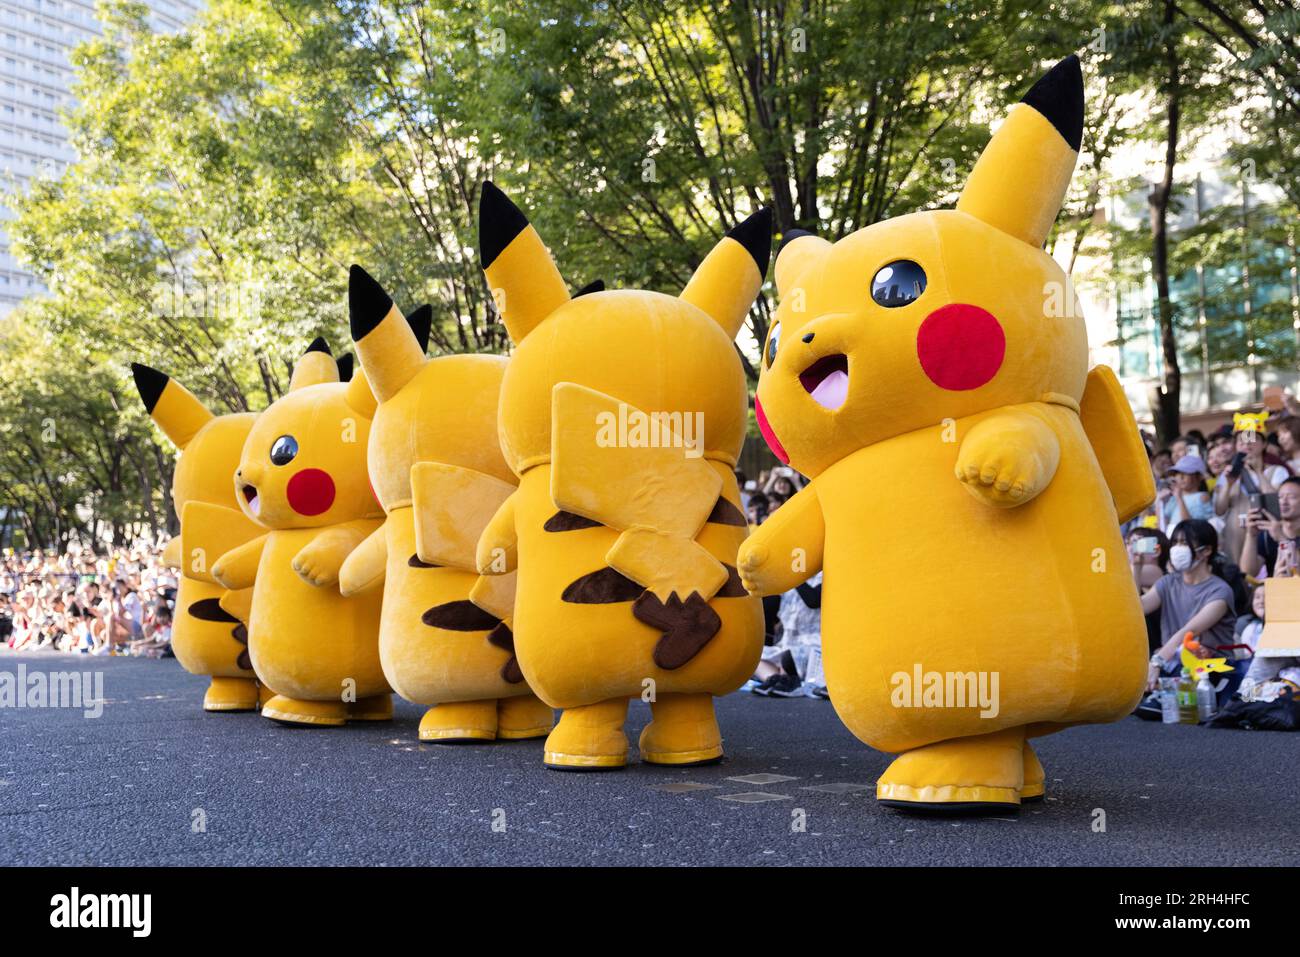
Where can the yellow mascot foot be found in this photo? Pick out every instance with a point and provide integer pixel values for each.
(375, 708)
(264, 694)
(983, 773)
(589, 738)
(231, 694)
(525, 716)
(1033, 789)
(460, 722)
(683, 732)
(329, 714)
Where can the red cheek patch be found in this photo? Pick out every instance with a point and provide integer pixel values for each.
(310, 492)
(769, 436)
(960, 346)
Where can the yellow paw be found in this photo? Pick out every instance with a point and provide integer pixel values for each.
(750, 564)
(1005, 467)
(319, 563)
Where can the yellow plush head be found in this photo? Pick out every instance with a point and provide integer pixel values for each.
(210, 444)
(430, 410)
(657, 353)
(304, 462)
(934, 315)
(1250, 422)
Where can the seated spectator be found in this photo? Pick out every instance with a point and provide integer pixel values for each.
(1273, 536)
(1185, 497)
(1148, 554)
(780, 672)
(781, 485)
(1193, 597)
(157, 633)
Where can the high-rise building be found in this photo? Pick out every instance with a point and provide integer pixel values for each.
(36, 76)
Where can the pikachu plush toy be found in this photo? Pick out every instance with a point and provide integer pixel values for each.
(302, 474)
(209, 632)
(437, 469)
(622, 413)
(968, 476)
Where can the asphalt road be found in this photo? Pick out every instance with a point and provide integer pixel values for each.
(127, 788)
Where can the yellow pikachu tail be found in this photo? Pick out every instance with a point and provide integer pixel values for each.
(1111, 429)
(172, 406)
(728, 280)
(525, 283)
(1020, 180)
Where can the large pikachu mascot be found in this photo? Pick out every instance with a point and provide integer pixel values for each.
(930, 374)
(436, 467)
(209, 633)
(622, 413)
(302, 474)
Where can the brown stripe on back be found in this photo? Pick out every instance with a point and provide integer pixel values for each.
(563, 521)
(725, 513)
(209, 609)
(511, 671)
(734, 587)
(502, 637)
(686, 626)
(415, 562)
(605, 587)
(462, 615)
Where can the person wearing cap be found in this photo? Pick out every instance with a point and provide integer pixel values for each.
(1247, 474)
(1186, 496)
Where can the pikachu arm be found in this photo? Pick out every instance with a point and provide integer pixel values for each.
(1008, 458)
(320, 560)
(209, 531)
(171, 554)
(787, 549)
(364, 568)
(498, 547)
(237, 568)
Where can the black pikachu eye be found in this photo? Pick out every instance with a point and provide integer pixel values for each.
(898, 284)
(283, 450)
(773, 340)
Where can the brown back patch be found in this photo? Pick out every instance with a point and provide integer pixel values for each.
(414, 562)
(724, 513)
(605, 587)
(568, 522)
(209, 609)
(734, 587)
(462, 615)
(511, 672)
(502, 637)
(687, 626)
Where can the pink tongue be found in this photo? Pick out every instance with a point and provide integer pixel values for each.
(255, 505)
(832, 390)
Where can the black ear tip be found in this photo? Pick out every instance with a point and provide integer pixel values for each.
(499, 222)
(596, 285)
(1058, 95)
(319, 345)
(790, 236)
(344, 363)
(367, 302)
(150, 383)
(421, 322)
(755, 234)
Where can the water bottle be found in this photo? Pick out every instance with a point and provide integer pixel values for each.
(1168, 701)
(1205, 698)
(1186, 698)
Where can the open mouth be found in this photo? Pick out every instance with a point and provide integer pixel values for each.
(827, 380)
(250, 496)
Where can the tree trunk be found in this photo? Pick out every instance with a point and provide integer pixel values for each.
(1165, 398)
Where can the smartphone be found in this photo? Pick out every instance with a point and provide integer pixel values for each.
(1146, 545)
(1267, 501)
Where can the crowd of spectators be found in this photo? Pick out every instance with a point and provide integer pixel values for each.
(116, 603)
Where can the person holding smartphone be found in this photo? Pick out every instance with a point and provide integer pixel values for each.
(1273, 545)
(1247, 474)
(1148, 558)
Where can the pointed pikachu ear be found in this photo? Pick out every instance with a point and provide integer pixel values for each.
(315, 366)
(344, 364)
(359, 395)
(799, 250)
(726, 283)
(596, 285)
(389, 349)
(1020, 180)
(172, 406)
(525, 284)
(421, 322)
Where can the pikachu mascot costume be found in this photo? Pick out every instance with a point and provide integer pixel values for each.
(302, 474)
(930, 374)
(209, 633)
(622, 413)
(436, 467)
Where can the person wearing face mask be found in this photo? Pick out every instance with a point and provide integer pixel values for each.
(1193, 597)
